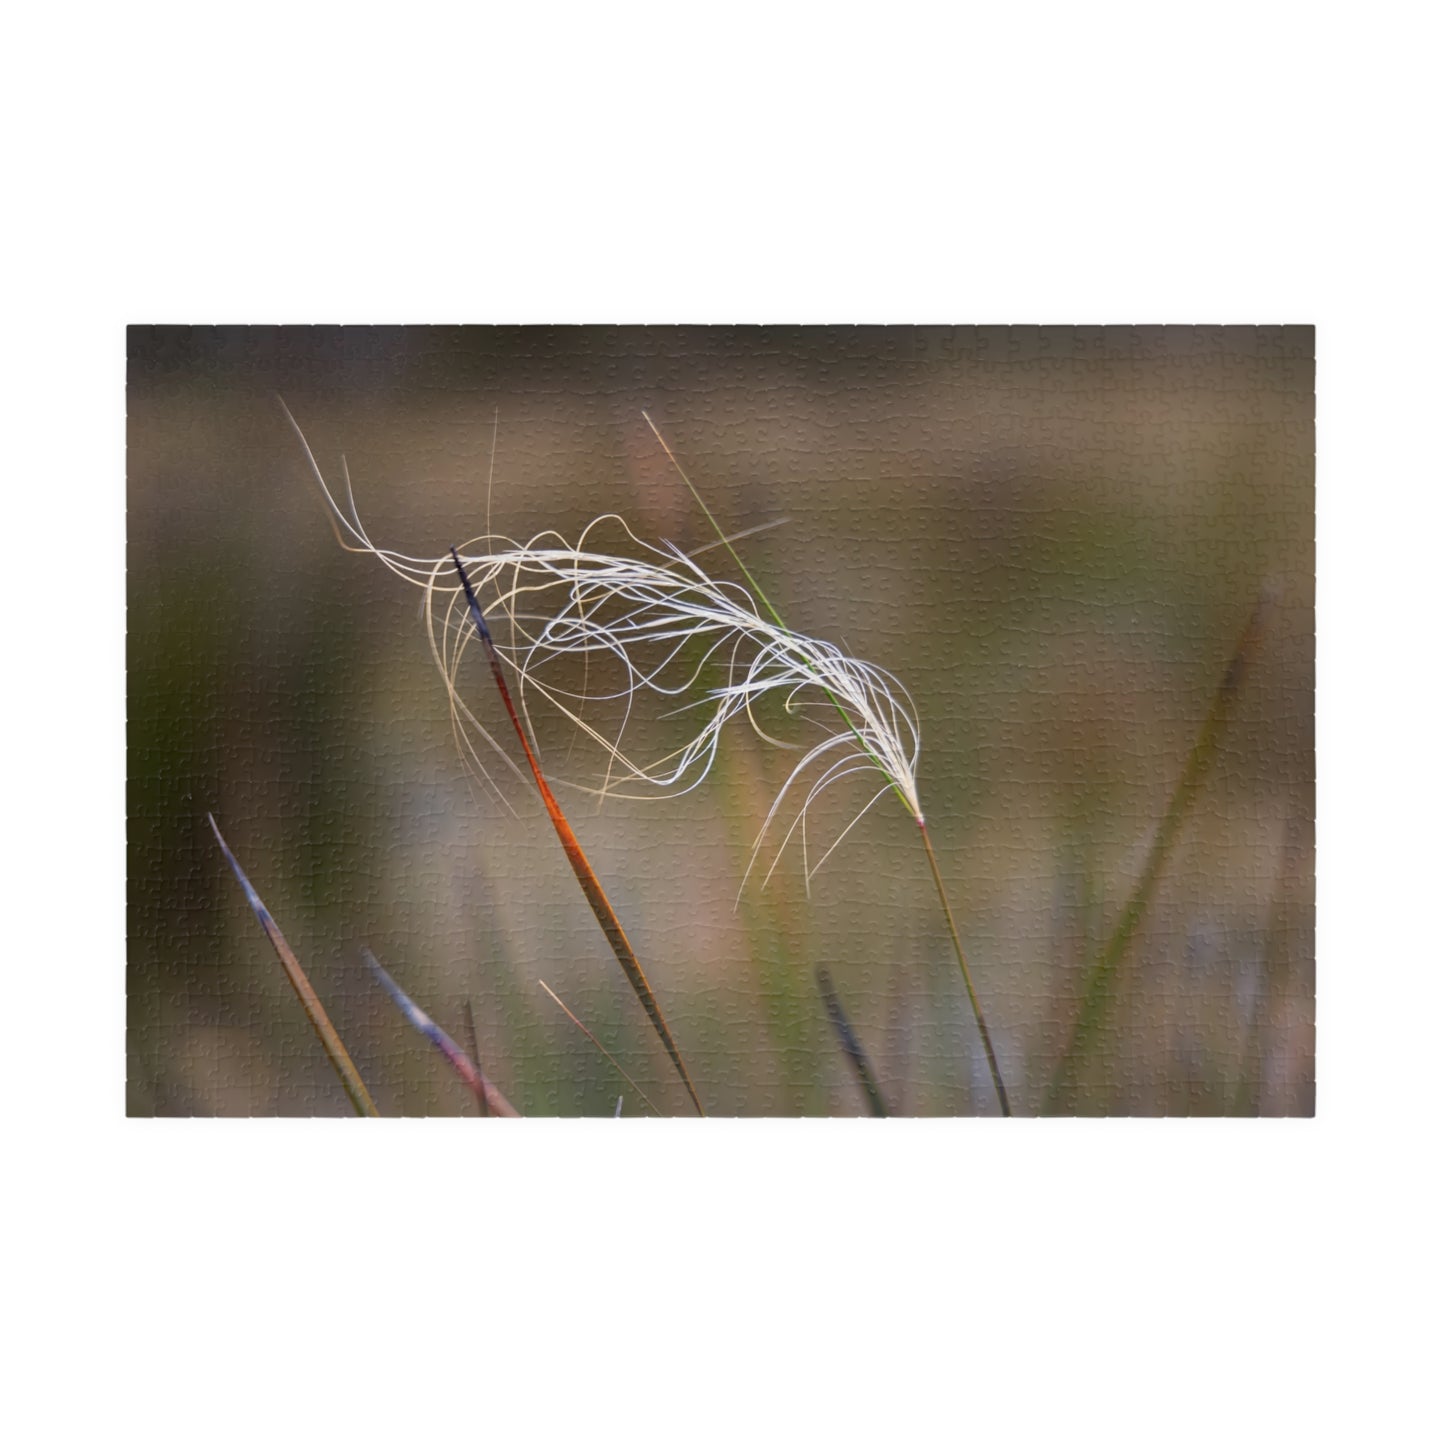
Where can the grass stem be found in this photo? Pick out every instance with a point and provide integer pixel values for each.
(851, 1045)
(488, 1096)
(586, 875)
(601, 1048)
(356, 1091)
(963, 969)
(474, 1052)
(1099, 983)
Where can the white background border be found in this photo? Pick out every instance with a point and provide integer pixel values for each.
(1120, 1280)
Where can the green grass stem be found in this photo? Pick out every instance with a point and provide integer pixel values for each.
(1099, 984)
(993, 1067)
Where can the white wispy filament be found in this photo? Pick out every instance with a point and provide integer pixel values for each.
(674, 632)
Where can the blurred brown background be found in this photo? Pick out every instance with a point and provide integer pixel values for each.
(1053, 536)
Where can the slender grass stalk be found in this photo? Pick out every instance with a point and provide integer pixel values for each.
(474, 1053)
(908, 797)
(586, 876)
(602, 1049)
(1099, 983)
(486, 1093)
(356, 1091)
(773, 921)
(963, 969)
(852, 1047)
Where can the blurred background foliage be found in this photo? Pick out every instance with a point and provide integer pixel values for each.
(1053, 536)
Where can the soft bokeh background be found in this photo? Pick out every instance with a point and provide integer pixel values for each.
(1053, 536)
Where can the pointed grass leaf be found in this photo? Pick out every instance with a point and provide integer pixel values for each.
(1098, 992)
(491, 1098)
(356, 1091)
(852, 1047)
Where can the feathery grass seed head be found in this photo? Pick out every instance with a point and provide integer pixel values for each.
(650, 620)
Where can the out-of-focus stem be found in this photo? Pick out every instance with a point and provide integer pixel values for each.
(963, 968)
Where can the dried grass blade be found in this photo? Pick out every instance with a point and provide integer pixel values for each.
(356, 1091)
(1098, 986)
(591, 885)
(602, 1049)
(852, 1047)
(487, 1094)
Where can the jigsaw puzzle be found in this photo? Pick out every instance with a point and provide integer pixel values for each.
(730, 721)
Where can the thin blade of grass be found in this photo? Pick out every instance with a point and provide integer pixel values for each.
(473, 1052)
(600, 1047)
(1099, 983)
(978, 1018)
(586, 876)
(356, 1091)
(852, 1047)
(487, 1094)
